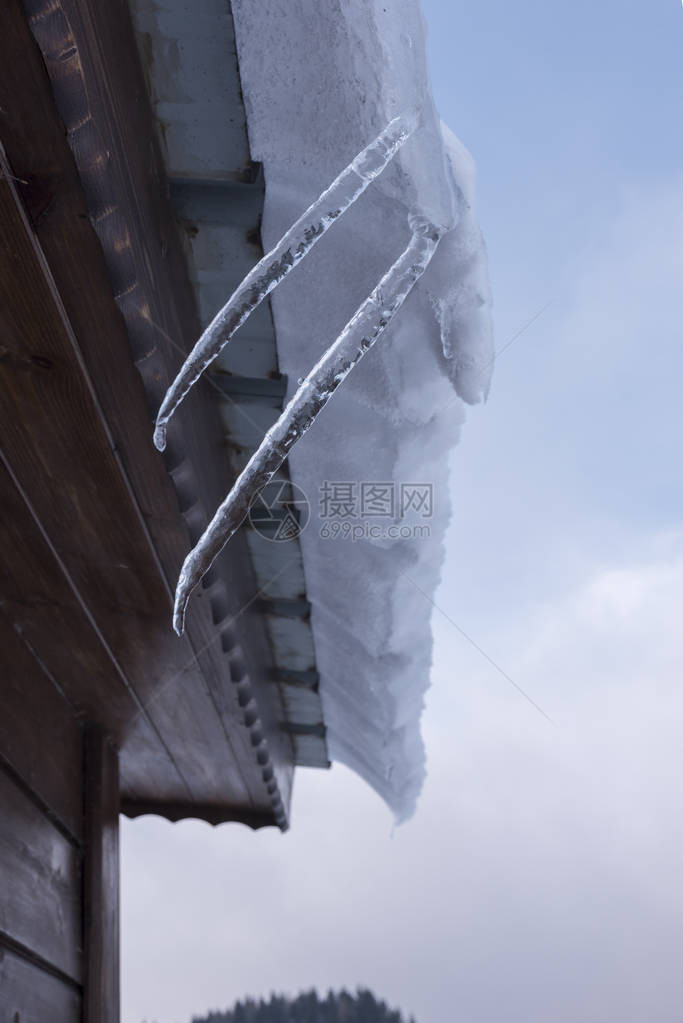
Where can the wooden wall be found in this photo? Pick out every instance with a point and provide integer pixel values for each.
(41, 843)
(59, 866)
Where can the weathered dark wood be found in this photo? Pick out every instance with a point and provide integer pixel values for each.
(219, 814)
(40, 894)
(90, 55)
(58, 449)
(92, 59)
(30, 995)
(40, 604)
(101, 881)
(40, 735)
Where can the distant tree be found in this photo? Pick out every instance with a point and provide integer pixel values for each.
(308, 1007)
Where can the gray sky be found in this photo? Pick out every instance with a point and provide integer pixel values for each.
(540, 877)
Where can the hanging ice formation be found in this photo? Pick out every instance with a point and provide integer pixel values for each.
(296, 243)
(357, 337)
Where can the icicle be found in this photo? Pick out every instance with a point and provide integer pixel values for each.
(276, 264)
(360, 333)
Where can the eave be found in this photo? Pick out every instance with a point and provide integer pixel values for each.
(189, 59)
(98, 311)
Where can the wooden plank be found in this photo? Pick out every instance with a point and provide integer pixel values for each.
(60, 455)
(30, 995)
(219, 814)
(40, 735)
(40, 895)
(101, 881)
(39, 603)
(90, 55)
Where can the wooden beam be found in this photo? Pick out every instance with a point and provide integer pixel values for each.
(101, 944)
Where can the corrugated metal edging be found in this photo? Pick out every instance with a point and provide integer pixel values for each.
(190, 61)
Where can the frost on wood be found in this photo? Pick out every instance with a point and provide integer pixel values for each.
(277, 263)
(357, 337)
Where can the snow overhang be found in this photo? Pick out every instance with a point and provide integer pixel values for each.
(319, 82)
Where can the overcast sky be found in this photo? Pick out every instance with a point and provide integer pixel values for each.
(541, 876)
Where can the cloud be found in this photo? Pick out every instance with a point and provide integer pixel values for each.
(570, 838)
(541, 873)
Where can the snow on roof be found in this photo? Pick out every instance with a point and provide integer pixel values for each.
(319, 82)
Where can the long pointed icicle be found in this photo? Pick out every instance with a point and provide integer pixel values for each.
(357, 337)
(276, 264)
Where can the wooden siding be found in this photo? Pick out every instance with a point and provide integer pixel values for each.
(41, 800)
(40, 738)
(30, 995)
(59, 894)
(40, 898)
